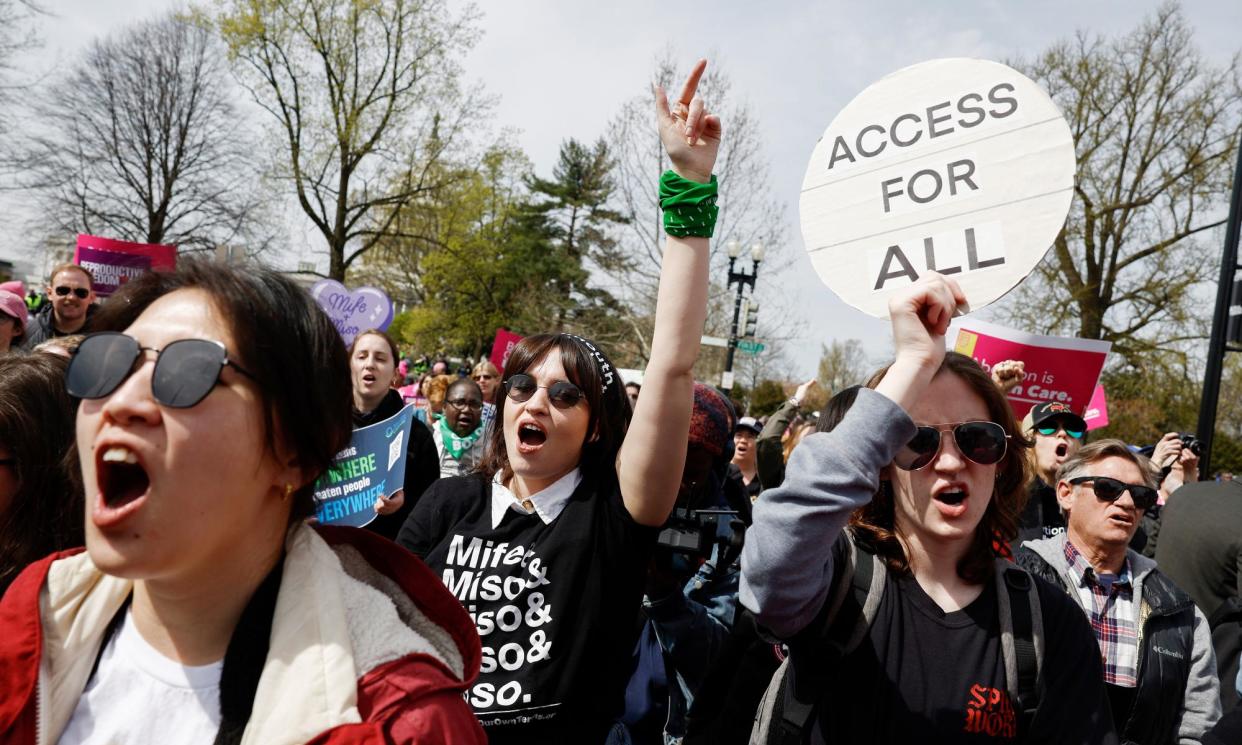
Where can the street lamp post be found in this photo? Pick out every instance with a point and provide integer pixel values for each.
(742, 280)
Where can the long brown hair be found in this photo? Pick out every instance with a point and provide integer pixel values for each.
(36, 427)
(875, 522)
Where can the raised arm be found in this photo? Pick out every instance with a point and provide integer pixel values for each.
(653, 456)
(787, 558)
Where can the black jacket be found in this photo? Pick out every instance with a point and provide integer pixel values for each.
(1167, 637)
(1041, 518)
(40, 327)
(422, 464)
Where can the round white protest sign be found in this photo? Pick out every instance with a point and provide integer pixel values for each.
(960, 166)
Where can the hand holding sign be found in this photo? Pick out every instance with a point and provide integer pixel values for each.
(388, 505)
(920, 315)
(691, 136)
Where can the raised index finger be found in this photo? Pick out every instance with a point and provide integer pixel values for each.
(692, 82)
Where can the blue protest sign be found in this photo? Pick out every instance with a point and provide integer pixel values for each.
(372, 466)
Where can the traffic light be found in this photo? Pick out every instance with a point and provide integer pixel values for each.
(752, 319)
(1233, 329)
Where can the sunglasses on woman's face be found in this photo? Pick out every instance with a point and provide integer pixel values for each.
(185, 371)
(562, 393)
(984, 443)
(81, 292)
(1110, 490)
(1048, 430)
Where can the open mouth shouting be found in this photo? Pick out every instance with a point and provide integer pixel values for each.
(951, 499)
(1062, 450)
(123, 485)
(531, 437)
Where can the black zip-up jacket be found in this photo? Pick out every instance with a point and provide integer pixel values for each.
(1166, 647)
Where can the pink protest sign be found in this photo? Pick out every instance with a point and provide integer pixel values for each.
(112, 263)
(506, 340)
(1097, 411)
(1057, 368)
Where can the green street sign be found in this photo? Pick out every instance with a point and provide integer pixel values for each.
(750, 347)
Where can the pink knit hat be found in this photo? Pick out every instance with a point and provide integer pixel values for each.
(12, 305)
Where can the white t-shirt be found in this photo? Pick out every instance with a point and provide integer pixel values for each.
(140, 697)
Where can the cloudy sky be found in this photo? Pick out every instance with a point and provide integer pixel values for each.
(563, 68)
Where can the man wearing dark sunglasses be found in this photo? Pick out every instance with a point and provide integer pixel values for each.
(1159, 665)
(1057, 432)
(71, 291)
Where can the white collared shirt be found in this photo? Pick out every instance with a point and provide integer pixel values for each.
(548, 502)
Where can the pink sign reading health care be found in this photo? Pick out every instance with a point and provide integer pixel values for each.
(1058, 368)
(506, 340)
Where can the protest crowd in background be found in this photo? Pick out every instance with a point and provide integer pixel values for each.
(293, 539)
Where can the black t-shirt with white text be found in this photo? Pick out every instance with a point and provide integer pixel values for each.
(555, 605)
(927, 676)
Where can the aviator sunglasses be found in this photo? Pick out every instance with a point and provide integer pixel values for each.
(81, 292)
(185, 370)
(984, 443)
(562, 393)
(1110, 490)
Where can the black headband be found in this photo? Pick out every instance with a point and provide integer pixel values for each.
(605, 368)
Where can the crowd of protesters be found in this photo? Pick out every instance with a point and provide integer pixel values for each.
(576, 558)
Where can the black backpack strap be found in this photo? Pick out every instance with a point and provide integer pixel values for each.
(1021, 639)
(840, 627)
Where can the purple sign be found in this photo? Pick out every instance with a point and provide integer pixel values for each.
(353, 311)
(111, 269)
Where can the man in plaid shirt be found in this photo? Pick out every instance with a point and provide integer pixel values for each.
(1159, 667)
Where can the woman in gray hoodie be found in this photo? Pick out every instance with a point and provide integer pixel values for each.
(928, 470)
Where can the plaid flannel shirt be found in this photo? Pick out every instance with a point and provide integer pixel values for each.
(1114, 617)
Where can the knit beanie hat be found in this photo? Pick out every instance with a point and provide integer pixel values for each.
(711, 421)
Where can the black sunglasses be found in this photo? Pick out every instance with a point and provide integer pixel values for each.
(1110, 490)
(984, 443)
(81, 292)
(185, 371)
(562, 393)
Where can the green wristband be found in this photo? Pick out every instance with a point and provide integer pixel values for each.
(689, 207)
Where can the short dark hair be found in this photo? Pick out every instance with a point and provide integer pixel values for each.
(463, 383)
(836, 408)
(875, 522)
(610, 409)
(634, 385)
(36, 427)
(282, 338)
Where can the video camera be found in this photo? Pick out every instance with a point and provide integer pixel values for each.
(694, 532)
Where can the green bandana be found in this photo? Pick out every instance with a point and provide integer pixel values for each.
(689, 207)
(455, 444)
